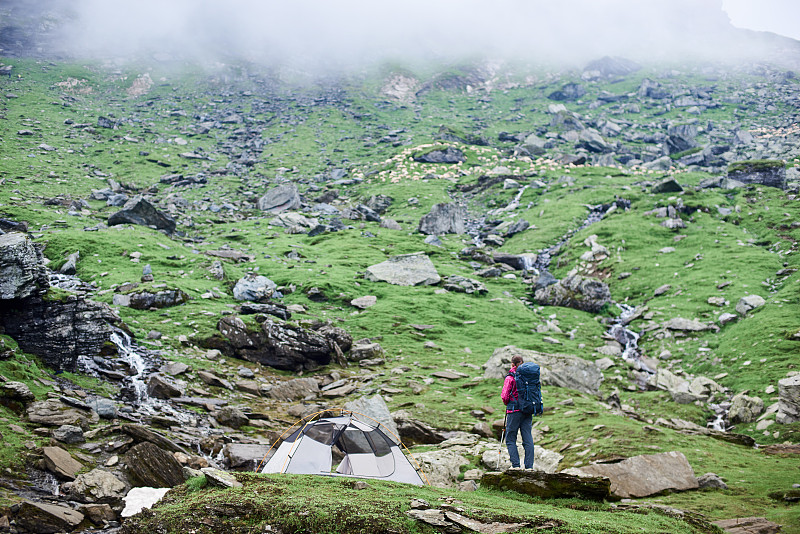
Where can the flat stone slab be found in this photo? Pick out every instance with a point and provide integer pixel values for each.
(449, 375)
(549, 485)
(61, 463)
(748, 525)
(405, 270)
(217, 477)
(641, 476)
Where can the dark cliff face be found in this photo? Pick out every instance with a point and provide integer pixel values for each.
(32, 29)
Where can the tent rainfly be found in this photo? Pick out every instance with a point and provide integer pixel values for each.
(367, 451)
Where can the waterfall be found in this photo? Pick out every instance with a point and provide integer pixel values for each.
(136, 362)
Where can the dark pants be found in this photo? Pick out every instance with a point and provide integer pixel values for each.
(519, 421)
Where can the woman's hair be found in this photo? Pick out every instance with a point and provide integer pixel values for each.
(516, 360)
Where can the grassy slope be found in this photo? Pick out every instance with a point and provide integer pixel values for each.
(308, 139)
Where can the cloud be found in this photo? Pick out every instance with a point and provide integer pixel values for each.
(351, 32)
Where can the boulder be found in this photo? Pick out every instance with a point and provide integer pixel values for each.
(41, 518)
(58, 331)
(415, 432)
(681, 137)
(668, 381)
(213, 380)
(22, 271)
(98, 486)
(771, 173)
(275, 343)
(535, 145)
(446, 155)
(562, 370)
(591, 140)
(99, 514)
(270, 308)
(441, 467)
(460, 284)
(711, 481)
(141, 434)
(748, 303)
(748, 525)
(365, 351)
(254, 288)
(405, 270)
(151, 466)
(364, 302)
(53, 412)
(549, 485)
(15, 395)
(159, 387)
(139, 211)
(295, 223)
(232, 417)
(444, 219)
(61, 463)
(642, 476)
(244, 456)
(219, 478)
(745, 409)
(293, 390)
(685, 325)
(281, 198)
(375, 409)
(667, 185)
(575, 291)
(145, 300)
(496, 457)
(788, 400)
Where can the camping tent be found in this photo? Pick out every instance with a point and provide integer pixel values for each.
(365, 450)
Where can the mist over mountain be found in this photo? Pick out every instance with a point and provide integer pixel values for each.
(350, 33)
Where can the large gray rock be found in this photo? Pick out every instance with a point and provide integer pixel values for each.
(444, 219)
(244, 456)
(591, 140)
(276, 343)
(232, 417)
(405, 270)
(254, 288)
(789, 400)
(58, 331)
(745, 409)
(441, 467)
(22, 271)
(41, 518)
(461, 284)
(446, 155)
(641, 476)
(415, 432)
(496, 457)
(150, 466)
(145, 300)
(562, 370)
(771, 173)
(575, 291)
(281, 198)
(749, 303)
(685, 325)
(374, 409)
(61, 463)
(297, 389)
(548, 485)
(53, 412)
(139, 211)
(99, 486)
(681, 137)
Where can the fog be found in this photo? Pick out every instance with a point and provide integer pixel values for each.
(342, 33)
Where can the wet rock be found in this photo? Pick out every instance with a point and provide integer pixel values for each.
(159, 387)
(745, 409)
(244, 456)
(549, 485)
(58, 331)
(749, 303)
(641, 476)
(562, 370)
(22, 271)
(99, 514)
(98, 486)
(232, 417)
(575, 291)
(446, 155)
(254, 288)
(139, 211)
(519, 262)
(69, 434)
(444, 219)
(145, 300)
(61, 463)
(281, 198)
(405, 270)
(150, 466)
(297, 389)
(270, 308)
(789, 400)
(41, 518)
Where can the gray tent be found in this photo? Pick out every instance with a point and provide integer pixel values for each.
(365, 450)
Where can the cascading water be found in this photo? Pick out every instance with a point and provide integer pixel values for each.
(136, 363)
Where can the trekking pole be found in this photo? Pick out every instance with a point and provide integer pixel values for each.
(502, 436)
